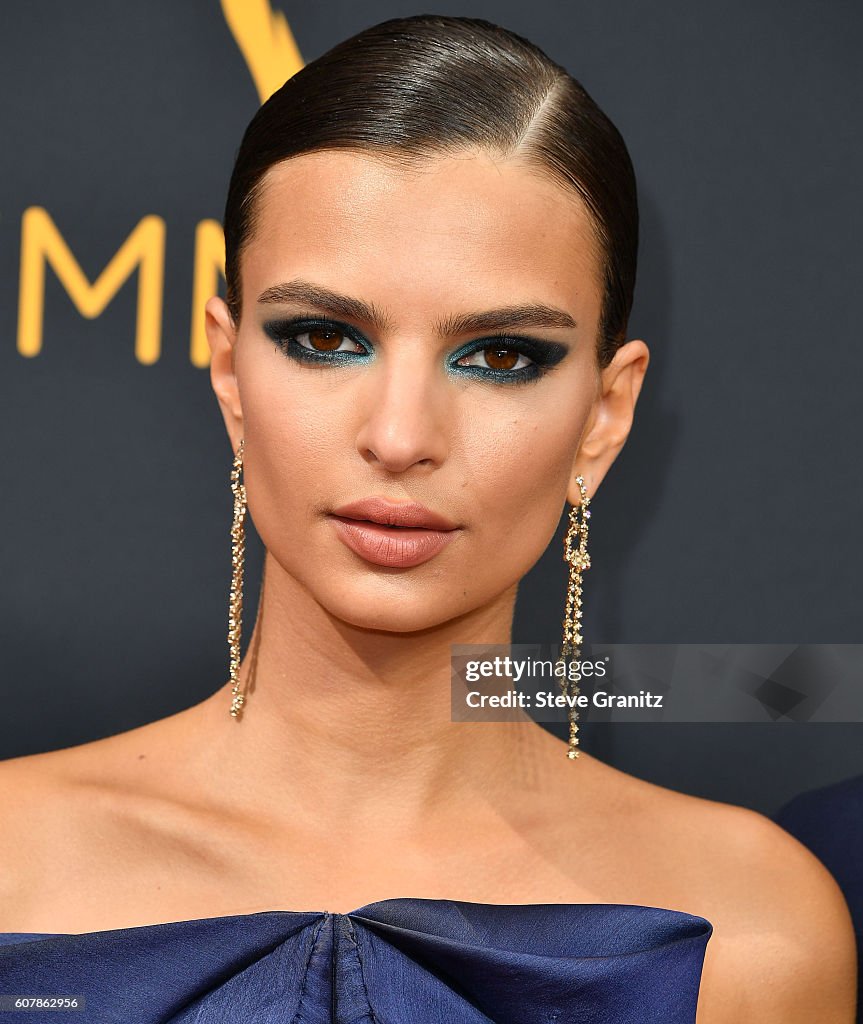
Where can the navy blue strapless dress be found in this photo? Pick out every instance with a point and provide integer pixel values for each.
(405, 960)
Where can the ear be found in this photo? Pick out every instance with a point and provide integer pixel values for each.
(610, 419)
(222, 338)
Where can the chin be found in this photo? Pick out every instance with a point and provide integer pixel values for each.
(402, 609)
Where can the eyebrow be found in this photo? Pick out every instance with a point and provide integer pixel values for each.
(518, 315)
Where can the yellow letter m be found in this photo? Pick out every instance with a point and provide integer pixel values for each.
(42, 243)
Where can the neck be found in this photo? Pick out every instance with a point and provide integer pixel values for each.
(346, 726)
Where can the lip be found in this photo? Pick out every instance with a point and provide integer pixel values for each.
(394, 513)
(396, 534)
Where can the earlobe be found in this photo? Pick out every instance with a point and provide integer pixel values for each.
(573, 492)
(222, 338)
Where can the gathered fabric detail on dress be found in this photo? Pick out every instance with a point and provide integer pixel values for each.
(405, 960)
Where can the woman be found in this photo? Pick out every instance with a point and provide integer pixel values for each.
(431, 236)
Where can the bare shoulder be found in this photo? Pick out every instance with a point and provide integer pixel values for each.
(36, 804)
(795, 933)
(788, 925)
(34, 786)
(35, 790)
(71, 816)
(41, 797)
(783, 946)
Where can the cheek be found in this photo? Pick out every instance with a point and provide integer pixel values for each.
(517, 474)
(290, 438)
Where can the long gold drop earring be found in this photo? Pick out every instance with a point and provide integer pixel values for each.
(235, 607)
(578, 560)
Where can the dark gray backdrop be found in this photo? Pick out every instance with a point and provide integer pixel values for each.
(732, 514)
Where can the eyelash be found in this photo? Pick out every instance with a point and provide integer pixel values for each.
(543, 355)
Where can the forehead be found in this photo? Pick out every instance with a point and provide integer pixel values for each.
(468, 228)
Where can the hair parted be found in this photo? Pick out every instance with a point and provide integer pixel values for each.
(411, 88)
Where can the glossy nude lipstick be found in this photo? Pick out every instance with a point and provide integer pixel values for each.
(397, 534)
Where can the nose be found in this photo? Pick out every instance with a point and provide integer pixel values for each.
(404, 414)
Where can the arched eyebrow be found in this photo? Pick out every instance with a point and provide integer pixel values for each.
(318, 297)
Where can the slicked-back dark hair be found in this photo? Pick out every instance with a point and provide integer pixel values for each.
(411, 88)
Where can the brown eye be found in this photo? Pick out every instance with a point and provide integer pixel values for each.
(501, 358)
(324, 339)
(496, 357)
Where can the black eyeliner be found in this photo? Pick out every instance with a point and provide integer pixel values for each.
(547, 353)
(283, 332)
(543, 354)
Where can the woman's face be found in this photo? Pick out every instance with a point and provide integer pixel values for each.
(354, 373)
